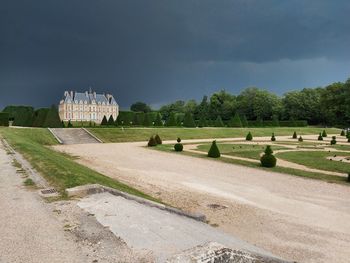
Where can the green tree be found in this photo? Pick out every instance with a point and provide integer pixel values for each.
(158, 139)
(4, 119)
(188, 120)
(244, 121)
(21, 115)
(219, 122)
(69, 125)
(236, 121)
(104, 121)
(202, 122)
(158, 121)
(275, 121)
(222, 104)
(171, 121)
(147, 121)
(324, 133)
(52, 119)
(140, 107)
(110, 121)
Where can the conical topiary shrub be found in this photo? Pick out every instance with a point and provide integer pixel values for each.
(348, 139)
(202, 122)
(219, 122)
(320, 138)
(214, 151)
(158, 139)
(249, 136)
(324, 133)
(334, 140)
(268, 159)
(104, 121)
(69, 125)
(348, 177)
(178, 146)
(236, 121)
(342, 133)
(152, 142)
(188, 120)
(273, 138)
(158, 121)
(300, 139)
(295, 136)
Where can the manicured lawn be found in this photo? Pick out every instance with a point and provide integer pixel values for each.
(60, 170)
(240, 150)
(317, 160)
(142, 134)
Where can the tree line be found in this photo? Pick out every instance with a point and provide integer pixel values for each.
(328, 105)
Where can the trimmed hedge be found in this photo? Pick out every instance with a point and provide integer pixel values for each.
(152, 142)
(320, 138)
(249, 136)
(158, 139)
(21, 115)
(214, 151)
(4, 119)
(274, 123)
(334, 140)
(268, 159)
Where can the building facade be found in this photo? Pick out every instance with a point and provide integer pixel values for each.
(87, 106)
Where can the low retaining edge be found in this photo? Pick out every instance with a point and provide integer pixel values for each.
(84, 190)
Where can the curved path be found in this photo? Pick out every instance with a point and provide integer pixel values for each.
(293, 217)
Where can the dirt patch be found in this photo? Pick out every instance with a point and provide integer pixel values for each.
(294, 218)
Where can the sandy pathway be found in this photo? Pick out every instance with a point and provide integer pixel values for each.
(295, 218)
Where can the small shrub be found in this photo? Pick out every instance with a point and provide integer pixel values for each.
(249, 136)
(300, 139)
(214, 151)
(273, 138)
(152, 142)
(348, 139)
(158, 139)
(342, 133)
(29, 182)
(334, 140)
(348, 177)
(295, 136)
(104, 121)
(324, 133)
(320, 138)
(69, 125)
(268, 159)
(178, 139)
(178, 147)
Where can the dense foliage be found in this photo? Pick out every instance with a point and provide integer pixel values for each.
(326, 106)
(4, 119)
(249, 136)
(52, 119)
(158, 139)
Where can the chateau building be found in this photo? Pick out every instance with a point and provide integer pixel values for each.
(87, 106)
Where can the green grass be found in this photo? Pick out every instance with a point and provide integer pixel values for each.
(59, 169)
(240, 150)
(310, 175)
(143, 134)
(317, 160)
(28, 182)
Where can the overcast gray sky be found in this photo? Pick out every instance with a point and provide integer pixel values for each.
(158, 51)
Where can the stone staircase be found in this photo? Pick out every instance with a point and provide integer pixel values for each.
(73, 136)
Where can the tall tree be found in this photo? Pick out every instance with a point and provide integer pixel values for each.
(158, 120)
(236, 121)
(171, 121)
(188, 120)
(110, 121)
(140, 107)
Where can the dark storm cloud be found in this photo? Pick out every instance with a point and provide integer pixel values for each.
(161, 50)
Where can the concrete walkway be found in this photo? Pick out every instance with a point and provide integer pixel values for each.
(163, 233)
(28, 232)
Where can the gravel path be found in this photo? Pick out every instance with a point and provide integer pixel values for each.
(294, 218)
(33, 231)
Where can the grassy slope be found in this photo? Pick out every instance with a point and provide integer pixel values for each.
(317, 160)
(59, 169)
(143, 134)
(318, 176)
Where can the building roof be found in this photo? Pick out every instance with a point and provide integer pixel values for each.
(89, 97)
